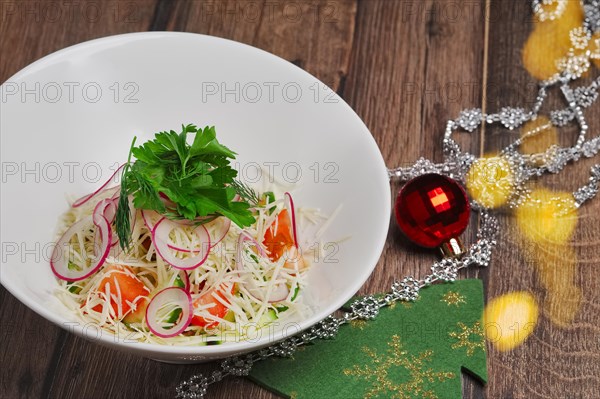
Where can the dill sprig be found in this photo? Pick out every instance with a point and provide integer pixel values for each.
(246, 192)
(123, 216)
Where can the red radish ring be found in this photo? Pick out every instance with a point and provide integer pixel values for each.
(221, 232)
(175, 296)
(150, 218)
(174, 247)
(289, 205)
(107, 208)
(198, 220)
(161, 240)
(116, 195)
(183, 250)
(245, 236)
(88, 197)
(59, 261)
(279, 292)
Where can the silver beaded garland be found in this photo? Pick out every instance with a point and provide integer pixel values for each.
(327, 328)
(446, 269)
(366, 308)
(238, 365)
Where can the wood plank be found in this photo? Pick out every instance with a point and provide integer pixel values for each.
(315, 35)
(556, 361)
(29, 349)
(30, 29)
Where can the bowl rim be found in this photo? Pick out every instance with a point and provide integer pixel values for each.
(226, 349)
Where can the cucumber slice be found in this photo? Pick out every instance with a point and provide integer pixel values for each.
(230, 316)
(178, 282)
(269, 317)
(174, 315)
(73, 266)
(74, 289)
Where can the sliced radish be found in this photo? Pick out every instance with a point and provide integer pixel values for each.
(245, 236)
(198, 220)
(150, 218)
(102, 188)
(107, 208)
(111, 211)
(179, 249)
(61, 255)
(187, 250)
(289, 205)
(221, 228)
(172, 298)
(161, 240)
(279, 292)
(116, 195)
(115, 240)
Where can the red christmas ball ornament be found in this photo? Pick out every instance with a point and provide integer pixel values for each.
(433, 210)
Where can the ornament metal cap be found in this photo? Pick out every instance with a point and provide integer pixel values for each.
(452, 248)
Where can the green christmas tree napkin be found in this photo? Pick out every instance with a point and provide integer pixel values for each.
(411, 350)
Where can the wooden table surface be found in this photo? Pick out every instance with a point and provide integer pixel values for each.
(405, 67)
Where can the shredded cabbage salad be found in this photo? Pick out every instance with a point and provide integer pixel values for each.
(181, 252)
(184, 283)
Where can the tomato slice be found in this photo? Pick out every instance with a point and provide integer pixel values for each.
(120, 279)
(216, 308)
(279, 237)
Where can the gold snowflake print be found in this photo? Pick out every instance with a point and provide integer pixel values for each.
(469, 337)
(453, 298)
(377, 373)
(360, 324)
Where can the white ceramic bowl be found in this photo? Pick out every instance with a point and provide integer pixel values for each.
(68, 119)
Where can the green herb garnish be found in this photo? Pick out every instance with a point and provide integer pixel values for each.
(197, 178)
(246, 193)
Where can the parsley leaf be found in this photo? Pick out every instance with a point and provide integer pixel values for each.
(197, 178)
